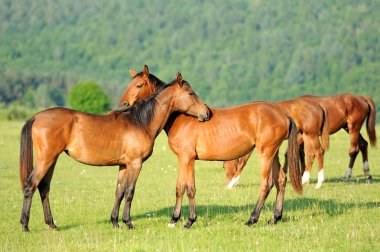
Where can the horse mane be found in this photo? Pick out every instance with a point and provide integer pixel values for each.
(158, 84)
(142, 112)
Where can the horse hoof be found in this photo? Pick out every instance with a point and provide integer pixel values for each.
(171, 224)
(188, 225)
(318, 186)
(369, 178)
(53, 227)
(25, 228)
(115, 225)
(250, 223)
(346, 179)
(129, 224)
(233, 182)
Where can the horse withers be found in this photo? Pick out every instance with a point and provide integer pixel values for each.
(120, 138)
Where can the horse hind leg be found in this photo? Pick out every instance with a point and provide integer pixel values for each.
(279, 180)
(353, 153)
(363, 147)
(266, 159)
(318, 152)
(31, 185)
(240, 165)
(44, 188)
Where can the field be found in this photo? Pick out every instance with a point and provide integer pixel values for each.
(338, 217)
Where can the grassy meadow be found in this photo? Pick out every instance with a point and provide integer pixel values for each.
(338, 217)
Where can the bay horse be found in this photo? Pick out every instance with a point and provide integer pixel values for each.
(120, 138)
(348, 112)
(229, 134)
(311, 119)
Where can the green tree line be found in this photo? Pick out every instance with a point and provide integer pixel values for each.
(230, 51)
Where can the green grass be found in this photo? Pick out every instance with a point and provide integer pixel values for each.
(338, 217)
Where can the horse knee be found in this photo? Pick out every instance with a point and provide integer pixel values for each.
(190, 190)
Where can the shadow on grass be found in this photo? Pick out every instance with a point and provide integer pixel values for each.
(313, 206)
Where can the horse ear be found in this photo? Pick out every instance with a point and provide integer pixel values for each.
(179, 78)
(145, 70)
(133, 73)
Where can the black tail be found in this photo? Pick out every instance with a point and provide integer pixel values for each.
(26, 152)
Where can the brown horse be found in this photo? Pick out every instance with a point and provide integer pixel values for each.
(119, 138)
(229, 134)
(311, 119)
(348, 112)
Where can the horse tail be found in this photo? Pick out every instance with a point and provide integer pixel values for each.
(325, 136)
(293, 158)
(26, 152)
(371, 120)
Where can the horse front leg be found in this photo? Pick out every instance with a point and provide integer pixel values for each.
(132, 173)
(119, 194)
(185, 165)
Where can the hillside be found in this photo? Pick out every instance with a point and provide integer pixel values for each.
(231, 52)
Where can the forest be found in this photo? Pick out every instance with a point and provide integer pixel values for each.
(231, 52)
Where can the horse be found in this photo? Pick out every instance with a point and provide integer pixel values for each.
(119, 138)
(229, 134)
(348, 112)
(311, 119)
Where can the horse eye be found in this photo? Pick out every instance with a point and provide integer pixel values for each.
(191, 93)
(140, 85)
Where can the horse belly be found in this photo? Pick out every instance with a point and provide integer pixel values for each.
(93, 157)
(223, 149)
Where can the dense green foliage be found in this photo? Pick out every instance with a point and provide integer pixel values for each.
(338, 217)
(89, 97)
(231, 51)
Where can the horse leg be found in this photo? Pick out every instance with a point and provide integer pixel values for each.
(363, 147)
(353, 152)
(302, 157)
(230, 168)
(279, 179)
(185, 164)
(31, 185)
(318, 152)
(190, 191)
(132, 173)
(310, 158)
(240, 165)
(119, 194)
(266, 159)
(44, 188)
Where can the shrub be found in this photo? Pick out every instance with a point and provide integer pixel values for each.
(89, 97)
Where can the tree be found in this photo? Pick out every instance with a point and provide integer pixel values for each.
(89, 97)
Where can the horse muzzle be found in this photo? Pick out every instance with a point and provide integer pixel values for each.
(124, 107)
(204, 117)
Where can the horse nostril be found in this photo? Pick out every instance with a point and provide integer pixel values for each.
(125, 103)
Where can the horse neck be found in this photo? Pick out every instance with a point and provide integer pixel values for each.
(162, 112)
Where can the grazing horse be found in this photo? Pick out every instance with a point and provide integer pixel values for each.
(119, 138)
(348, 112)
(229, 134)
(311, 120)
